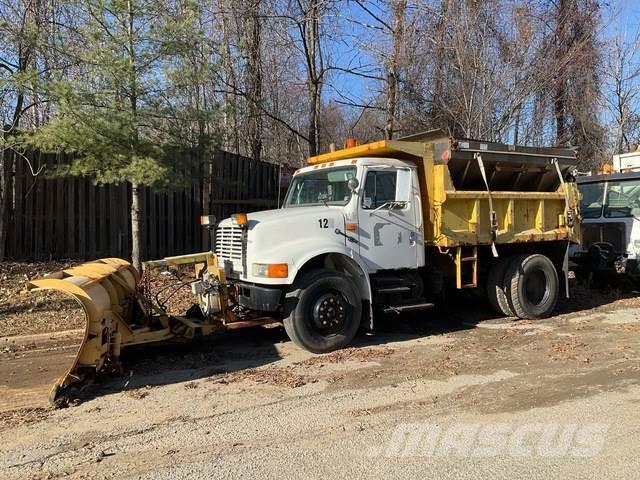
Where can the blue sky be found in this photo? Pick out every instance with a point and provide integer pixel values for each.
(622, 15)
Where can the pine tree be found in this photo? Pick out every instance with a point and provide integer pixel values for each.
(115, 115)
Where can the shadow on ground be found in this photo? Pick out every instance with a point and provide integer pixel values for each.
(237, 350)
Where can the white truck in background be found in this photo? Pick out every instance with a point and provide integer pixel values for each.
(610, 206)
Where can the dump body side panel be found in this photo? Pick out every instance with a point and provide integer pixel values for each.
(464, 218)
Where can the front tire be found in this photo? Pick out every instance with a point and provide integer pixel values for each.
(322, 311)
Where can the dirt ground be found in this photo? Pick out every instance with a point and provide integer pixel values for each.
(22, 312)
(251, 404)
(40, 332)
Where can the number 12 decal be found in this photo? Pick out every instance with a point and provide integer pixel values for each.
(324, 222)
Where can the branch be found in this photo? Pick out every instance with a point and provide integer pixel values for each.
(9, 67)
(351, 71)
(358, 105)
(26, 159)
(374, 16)
(32, 104)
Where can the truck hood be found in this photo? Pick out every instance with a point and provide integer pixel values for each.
(268, 218)
(289, 235)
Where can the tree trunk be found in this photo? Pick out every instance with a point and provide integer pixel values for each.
(230, 103)
(254, 79)
(136, 226)
(6, 174)
(315, 72)
(399, 8)
(621, 126)
(439, 68)
(136, 189)
(6, 198)
(314, 114)
(559, 101)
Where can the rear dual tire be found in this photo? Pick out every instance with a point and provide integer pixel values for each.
(496, 290)
(525, 286)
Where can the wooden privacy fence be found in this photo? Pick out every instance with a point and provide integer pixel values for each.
(70, 217)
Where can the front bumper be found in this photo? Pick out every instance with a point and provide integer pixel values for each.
(264, 299)
(603, 257)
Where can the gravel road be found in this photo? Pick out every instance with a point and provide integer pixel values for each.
(442, 395)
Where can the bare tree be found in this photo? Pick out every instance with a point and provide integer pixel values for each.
(398, 12)
(21, 28)
(309, 28)
(253, 75)
(304, 20)
(230, 100)
(562, 46)
(623, 91)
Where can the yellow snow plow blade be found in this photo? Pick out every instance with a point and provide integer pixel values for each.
(119, 314)
(106, 291)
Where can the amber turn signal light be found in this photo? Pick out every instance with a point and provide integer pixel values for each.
(278, 270)
(240, 219)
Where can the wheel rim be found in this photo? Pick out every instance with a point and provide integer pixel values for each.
(535, 287)
(330, 312)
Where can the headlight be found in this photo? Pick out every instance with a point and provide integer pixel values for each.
(270, 270)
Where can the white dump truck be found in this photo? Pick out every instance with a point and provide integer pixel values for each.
(385, 227)
(371, 230)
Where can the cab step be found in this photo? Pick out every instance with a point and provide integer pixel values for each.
(391, 290)
(408, 307)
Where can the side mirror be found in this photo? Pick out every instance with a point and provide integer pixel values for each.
(403, 186)
(353, 183)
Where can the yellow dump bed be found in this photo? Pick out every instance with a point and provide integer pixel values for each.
(476, 192)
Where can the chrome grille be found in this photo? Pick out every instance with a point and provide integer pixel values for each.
(229, 247)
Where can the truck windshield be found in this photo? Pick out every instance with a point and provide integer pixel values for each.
(623, 199)
(592, 196)
(319, 187)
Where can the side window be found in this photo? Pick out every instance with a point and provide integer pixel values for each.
(379, 188)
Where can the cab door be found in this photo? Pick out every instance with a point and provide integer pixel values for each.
(388, 235)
